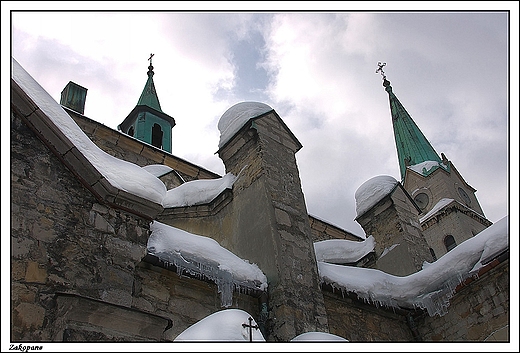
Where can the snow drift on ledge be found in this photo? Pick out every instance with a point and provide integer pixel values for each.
(342, 251)
(432, 287)
(200, 255)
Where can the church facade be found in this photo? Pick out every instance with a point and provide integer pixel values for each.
(81, 268)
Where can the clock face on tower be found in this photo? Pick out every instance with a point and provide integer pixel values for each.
(421, 199)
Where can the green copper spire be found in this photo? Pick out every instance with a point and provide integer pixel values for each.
(412, 146)
(149, 95)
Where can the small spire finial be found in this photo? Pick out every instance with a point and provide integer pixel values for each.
(150, 67)
(380, 69)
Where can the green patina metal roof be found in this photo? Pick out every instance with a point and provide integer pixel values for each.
(412, 146)
(149, 95)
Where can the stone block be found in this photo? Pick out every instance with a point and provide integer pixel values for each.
(35, 273)
(29, 316)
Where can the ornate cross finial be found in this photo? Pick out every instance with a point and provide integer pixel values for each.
(150, 58)
(380, 69)
(251, 327)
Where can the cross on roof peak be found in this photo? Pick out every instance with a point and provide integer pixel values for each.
(380, 69)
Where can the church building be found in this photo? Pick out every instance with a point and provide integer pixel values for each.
(116, 239)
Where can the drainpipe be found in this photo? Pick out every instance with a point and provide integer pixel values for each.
(413, 327)
(263, 315)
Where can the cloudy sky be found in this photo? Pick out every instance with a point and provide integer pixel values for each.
(316, 69)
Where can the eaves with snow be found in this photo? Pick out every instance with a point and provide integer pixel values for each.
(433, 286)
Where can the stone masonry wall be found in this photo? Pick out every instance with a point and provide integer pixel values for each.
(476, 311)
(129, 149)
(77, 270)
(359, 322)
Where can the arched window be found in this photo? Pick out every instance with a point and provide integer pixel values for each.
(157, 135)
(449, 242)
(131, 131)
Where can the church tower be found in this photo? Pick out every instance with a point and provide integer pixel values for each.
(147, 122)
(450, 210)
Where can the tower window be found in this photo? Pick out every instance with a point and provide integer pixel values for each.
(157, 135)
(131, 131)
(449, 242)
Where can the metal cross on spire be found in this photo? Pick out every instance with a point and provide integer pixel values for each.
(380, 69)
(150, 59)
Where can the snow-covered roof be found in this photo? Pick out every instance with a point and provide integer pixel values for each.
(237, 116)
(119, 173)
(123, 175)
(224, 325)
(438, 206)
(442, 204)
(201, 255)
(372, 191)
(157, 169)
(427, 167)
(342, 251)
(318, 337)
(429, 288)
(232, 325)
(197, 192)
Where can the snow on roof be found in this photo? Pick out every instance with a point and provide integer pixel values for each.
(121, 174)
(372, 191)
(341, 251)
(201, 255)
(237, 116)
(157, 169)
(196, 192)
(429, 288)
(427, 167)
(229, 325)
(318, 337)
(224, 325)
(438, 206)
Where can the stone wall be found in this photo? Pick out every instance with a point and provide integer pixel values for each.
(359, 322)
(478, 311)
(129, 149)
(77, 269)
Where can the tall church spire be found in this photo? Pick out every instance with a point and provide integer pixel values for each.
(412, 146)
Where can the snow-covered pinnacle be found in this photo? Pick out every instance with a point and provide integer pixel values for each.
(237, 116)
(372, 191)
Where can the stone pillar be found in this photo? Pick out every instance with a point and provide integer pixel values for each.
(400, 247)
(271, 225)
